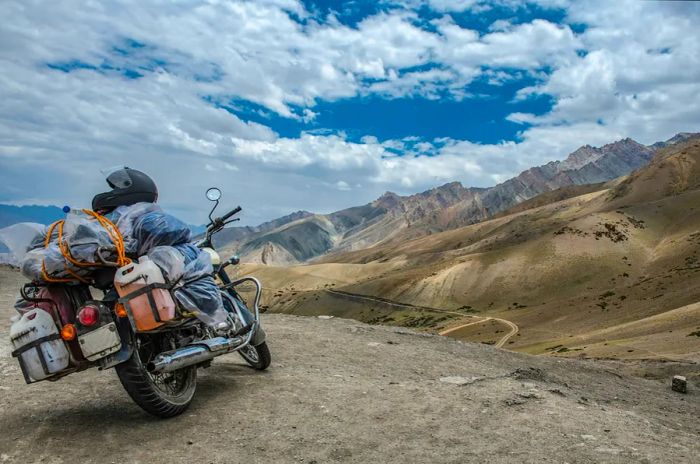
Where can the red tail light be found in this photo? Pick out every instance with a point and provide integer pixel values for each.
(88, 316)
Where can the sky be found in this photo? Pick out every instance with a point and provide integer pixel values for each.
(293, 105)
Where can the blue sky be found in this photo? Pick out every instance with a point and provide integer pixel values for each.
(320, 105)
(481, 118)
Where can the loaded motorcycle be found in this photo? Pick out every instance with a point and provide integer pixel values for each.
(66, 330)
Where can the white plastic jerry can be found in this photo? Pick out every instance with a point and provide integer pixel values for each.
(34, 325)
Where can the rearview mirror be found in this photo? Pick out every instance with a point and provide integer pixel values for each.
(213, 194)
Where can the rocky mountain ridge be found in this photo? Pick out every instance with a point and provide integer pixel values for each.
(11, 214)
(302, 236)
(231, 234)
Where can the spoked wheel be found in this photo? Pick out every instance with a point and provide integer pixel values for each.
(165, 394)
(258, 357)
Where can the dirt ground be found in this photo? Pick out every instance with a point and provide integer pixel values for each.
(342, 391)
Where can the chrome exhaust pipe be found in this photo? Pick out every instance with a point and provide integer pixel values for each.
(194, 354)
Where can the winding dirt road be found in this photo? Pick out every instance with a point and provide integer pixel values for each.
(481, 319)
(513, 329)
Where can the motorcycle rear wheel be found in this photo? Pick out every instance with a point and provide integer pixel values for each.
(164, 394)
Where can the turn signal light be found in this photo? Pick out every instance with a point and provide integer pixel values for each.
(89, 316)
(120, 310)
(68, 332)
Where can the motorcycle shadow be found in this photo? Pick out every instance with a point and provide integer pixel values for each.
(115, 412)
(109, 415)
(227, 377)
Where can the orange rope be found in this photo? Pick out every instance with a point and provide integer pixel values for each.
(65, 251)
(113, 233)
(47, 278)
(49, 233)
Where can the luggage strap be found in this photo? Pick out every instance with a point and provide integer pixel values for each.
(35, 344)
(126, 299)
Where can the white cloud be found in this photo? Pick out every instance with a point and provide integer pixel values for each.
(639, 78)
(453, 5)
(616, 78)
(342, 185)
(524, 46)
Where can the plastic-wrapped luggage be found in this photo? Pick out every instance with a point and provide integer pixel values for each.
(199, 293)
(145, 226)
(165, 239)
(170, 261)
(187, 270)
(52, 260)
(146, 231)
(18, 239)
(78, 238)
(84, 235)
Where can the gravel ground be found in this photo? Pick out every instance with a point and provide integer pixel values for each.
(342, 391)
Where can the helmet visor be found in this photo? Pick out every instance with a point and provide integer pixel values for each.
(117, 177)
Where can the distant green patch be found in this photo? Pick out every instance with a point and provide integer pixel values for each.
(554, 348)
(467, 309)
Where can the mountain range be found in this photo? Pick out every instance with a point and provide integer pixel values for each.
(604, 270)
(303, 236)
(10, 214)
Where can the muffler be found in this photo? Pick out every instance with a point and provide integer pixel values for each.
(190, 355)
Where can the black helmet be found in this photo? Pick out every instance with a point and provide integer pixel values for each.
(129, 186)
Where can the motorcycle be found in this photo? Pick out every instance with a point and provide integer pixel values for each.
(157, 368)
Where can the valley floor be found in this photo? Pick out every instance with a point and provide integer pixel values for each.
(343, 391)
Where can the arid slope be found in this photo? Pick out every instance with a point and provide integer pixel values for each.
(302, 237)
(614, 272)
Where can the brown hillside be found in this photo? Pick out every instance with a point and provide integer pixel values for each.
(674, 170)
(609, 273)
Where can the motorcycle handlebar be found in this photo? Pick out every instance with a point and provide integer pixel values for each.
(218, 223)
(235, 210)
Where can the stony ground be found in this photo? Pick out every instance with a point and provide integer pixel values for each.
(342, 391)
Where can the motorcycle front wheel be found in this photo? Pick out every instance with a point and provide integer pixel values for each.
(258, 357)
(161, 394)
